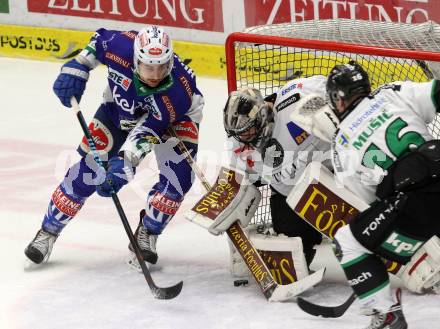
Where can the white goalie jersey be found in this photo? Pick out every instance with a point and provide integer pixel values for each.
(376, 132)
(290, 149)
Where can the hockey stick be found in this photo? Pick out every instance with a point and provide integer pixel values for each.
(326, 311)
(273, 291)
(160, 293)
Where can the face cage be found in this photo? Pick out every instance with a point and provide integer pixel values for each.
(256, 142)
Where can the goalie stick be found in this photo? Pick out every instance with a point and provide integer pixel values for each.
(325, 311)
(273, 291)
(158, 292)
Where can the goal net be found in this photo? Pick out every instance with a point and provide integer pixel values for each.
(266, 57)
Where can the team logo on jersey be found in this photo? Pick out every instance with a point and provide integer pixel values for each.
(119, 78)
(298, 134)
(288, 101)
(291, 87)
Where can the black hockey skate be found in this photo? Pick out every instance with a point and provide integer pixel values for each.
(40, 248)
(393, 319)
(146, 242)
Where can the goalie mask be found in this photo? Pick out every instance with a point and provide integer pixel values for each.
(248, 118)
(347, 82)
(152, 55)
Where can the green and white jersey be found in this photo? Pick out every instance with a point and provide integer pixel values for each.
(382, 127)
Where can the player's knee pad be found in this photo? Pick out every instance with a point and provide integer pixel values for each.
(422, 272)
(162, 205)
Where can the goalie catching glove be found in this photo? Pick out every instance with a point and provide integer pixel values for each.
(232, 198)
(422, 272)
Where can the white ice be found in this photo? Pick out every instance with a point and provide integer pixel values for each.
(87, 284)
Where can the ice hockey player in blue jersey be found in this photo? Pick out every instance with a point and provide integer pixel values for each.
(149, 90)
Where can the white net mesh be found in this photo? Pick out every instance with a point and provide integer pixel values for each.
(270, 64)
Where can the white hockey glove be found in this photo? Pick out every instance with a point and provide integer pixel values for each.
(233, 198)
(315, 116)
(422, 272)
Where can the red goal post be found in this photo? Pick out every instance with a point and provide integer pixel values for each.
(266, 57)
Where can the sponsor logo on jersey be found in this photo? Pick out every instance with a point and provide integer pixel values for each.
(187, 131)
(170, 108)
(298, 134)
(117, 59)
(291, 87)
(401, 244)
(361, 278)
(288, 101)
(343, 140)
(374, 106)
(122, 102)
(129, 34)
(186, 85)
(374, 124)
(101, 135)
(119, 78)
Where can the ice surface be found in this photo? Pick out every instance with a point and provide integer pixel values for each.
(86, 284)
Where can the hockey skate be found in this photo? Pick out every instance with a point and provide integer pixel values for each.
(40, 248)
(393, 319)
(147, 244)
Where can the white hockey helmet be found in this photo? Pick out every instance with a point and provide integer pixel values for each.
(153, 46)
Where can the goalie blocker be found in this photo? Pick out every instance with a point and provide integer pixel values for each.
(326, 205)
(233, 200)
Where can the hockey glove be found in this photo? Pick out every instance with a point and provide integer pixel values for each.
(119, 173)
(71, 82)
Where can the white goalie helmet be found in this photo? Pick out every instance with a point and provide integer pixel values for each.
(153, 46)
(248, 118)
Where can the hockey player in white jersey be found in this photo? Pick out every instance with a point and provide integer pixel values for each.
(274, 150)
(384, 152)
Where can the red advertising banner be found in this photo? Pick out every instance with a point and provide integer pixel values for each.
(191, 14)
(261, 12)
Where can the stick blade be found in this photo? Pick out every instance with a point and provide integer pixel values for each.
(325, 311)
(285, 292)
(168, 292)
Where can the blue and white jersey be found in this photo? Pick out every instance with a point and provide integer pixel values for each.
(144, 112)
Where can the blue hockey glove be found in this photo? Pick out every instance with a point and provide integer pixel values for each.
(119, 173)
(71, 82)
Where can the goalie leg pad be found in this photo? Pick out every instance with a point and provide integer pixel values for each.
(422, 272)
(242, 208)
